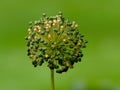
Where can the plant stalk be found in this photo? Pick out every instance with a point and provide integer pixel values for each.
(52, 79)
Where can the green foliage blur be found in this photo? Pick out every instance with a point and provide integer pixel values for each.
(99, 21)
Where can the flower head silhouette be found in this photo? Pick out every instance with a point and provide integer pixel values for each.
(55, 40)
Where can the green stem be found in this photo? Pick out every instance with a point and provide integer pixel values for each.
(52, 79)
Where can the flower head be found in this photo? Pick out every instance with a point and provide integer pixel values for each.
(55, 40)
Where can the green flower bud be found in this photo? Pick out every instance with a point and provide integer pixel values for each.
(58, 33)
(65, 68)
(41, 41)
(51, 66)
(44, 14)
(34, 63)
(71, 46)
(45, 43)
(42, 32)
(59, 13)
(41, 62)
(55, 30)
(60, 61)
(56, 66)
(53, 47)
(59, 71)
(57, 53)
(28, 53)
(69, 24)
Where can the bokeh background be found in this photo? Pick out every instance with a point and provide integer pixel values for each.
(99, 21)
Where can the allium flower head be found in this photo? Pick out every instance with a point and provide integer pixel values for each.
(55, 40)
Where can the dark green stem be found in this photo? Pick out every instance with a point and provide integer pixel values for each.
(52, 79)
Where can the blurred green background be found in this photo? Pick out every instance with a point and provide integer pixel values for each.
(99, 21)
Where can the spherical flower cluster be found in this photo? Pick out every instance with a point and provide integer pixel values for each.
(55, 40)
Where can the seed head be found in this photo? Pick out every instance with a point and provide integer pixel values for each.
(55, 40)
